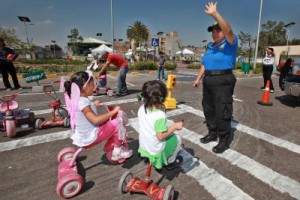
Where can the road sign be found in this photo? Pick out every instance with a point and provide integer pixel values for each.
(34, 76)
(155, 42)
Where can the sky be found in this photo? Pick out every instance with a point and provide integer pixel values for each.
(53, 19)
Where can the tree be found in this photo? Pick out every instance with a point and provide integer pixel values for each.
(74, 39)
(246, 41)
(10, 38)
(137, 34)
(272, 34)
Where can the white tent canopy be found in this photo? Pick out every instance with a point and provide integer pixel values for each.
(128, 54)
(185, 52)
(100, 49)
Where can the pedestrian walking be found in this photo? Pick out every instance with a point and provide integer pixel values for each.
(7, 56)
(218, 80)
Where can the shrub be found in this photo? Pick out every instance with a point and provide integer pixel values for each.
(194, 66)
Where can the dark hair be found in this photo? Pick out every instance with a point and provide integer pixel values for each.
(271, 49)
(160, 53)
(2, 40)
(154, 92)
(80, 78)
(288, 62)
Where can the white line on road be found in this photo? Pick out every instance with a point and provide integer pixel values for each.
(253, 132)
(261, 172)
(207, 177)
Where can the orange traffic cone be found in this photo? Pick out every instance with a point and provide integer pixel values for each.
(265, 101)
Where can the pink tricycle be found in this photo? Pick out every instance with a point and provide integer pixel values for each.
(11, 116)
(70, 182)
(101, 83)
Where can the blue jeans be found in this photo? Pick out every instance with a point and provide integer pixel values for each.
(121, 81)
(161, 70)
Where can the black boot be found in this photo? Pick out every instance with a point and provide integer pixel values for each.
(209, 138)
(222, 146)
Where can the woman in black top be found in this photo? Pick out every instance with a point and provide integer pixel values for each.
(284, 71)
(7, 66)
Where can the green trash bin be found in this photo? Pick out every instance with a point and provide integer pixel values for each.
(246, 68)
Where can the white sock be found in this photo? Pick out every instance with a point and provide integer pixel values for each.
(117, 150)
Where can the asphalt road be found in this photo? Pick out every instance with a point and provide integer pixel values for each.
(262, 162)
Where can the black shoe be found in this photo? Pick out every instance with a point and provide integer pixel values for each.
(121, 94)
(177, 163)
(209, 138)
(222, 146)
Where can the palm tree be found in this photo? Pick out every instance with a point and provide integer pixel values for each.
(137, 33)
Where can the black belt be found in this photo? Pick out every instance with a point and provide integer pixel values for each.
(217, 72)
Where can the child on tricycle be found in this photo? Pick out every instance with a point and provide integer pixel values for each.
(90, 127)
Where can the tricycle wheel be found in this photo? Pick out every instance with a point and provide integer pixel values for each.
(10, 126)
(125, 179)
(66, 153)
(61, 112)
(110, 93)
(38, 123)
(66, 122)
(169, 193)
(32, 119)
(69, 185)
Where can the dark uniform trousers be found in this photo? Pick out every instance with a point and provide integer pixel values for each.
(218, 103)
(9, 68)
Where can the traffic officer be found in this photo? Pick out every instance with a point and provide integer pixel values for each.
(218, 80)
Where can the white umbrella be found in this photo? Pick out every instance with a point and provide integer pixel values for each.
(185, 52)
(102, 48)
(128, 54)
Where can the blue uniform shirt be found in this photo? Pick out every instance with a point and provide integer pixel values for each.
(222, 57)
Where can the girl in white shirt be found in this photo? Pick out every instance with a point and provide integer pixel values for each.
(268, 62)
(90, 127)
(157, 141)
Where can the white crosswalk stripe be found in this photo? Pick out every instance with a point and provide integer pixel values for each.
(206, 177)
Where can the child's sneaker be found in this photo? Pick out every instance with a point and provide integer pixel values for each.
(177, 163)
(124, 153)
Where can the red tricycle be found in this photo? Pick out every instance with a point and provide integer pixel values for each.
(60, 116)
(11, 116)
(70, 182)
(128, 183)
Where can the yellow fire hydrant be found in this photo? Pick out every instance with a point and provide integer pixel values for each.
(170, 103)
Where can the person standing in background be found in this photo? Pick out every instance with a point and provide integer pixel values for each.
(284, 71)
(218, 81)
(161, 67)
(120, 63)
(268, 62)
(8, 55)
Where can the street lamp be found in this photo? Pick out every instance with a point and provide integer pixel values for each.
(112, 24)
(204, 42)
(287, 26)
(25, 20)
(258, 31)
(53, 41)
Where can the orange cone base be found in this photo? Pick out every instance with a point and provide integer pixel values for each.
(265, 103)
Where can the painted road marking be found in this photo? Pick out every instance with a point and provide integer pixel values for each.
(205, 176)
(253, 132)
(274, 179)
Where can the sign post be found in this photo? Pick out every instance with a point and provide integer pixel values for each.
(155, 43)
(35, 77)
